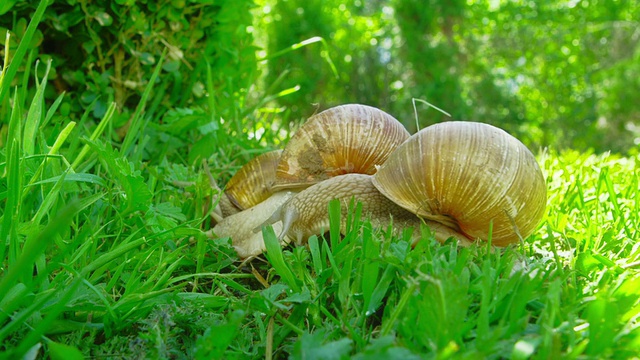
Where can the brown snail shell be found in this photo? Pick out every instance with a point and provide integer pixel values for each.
(251, 185)
(466, 175)
(344, 139)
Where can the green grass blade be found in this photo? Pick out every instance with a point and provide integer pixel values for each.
(274, 255)
(316, 39)
(316, 257)
(376, 297)
(391, 321)
(106, 119)
(370, 266)
(62, 137)
(59, 351)
(13, 182)
(75, 177)
(48, 201)
(19, 319)
(75, 141)
(35, 115)
(38, 331)
(113, 255)
(334, 221)
(35, 245)
(13, 299)
(9, 223)
(10, 70)
(52, 110)
(15, 121)
(136, 128)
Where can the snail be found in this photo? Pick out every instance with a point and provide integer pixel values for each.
(344, 139)
(243, 226)
(465, 180)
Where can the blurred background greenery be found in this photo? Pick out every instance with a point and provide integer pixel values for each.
(561, 74)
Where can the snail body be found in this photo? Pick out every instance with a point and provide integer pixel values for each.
(305, 214)
(242, 227)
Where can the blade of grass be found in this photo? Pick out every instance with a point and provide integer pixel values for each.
(334, 221)
(11, 210)
(75, 141)
(10, 70)
(316, 258)
(136, 128)
(36, 333)
(34, 246)
(377, 295)
(15, 121)
(48, 201)
(370, 266)
(106, 119)
(23, 316)
(112, 255)
(35, 114)
(274, 255)
(391, 321)
(62, 137)
(324, 53)
(14, 184)
(26, 75)
(52, 109)
(212, 104)
(14, 299)
(58, 143)
(75, 177)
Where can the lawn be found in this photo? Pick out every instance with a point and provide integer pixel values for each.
(105, 254)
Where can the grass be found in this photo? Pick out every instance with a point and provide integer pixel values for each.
(104, 256)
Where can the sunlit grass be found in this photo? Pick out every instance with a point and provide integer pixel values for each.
(104, 255)
(121, 267)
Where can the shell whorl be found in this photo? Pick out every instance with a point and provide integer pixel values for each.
(251, 185)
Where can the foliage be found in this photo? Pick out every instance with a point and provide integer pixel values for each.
(562, 74)
(103, 250)
(104, 52)
(119, 270)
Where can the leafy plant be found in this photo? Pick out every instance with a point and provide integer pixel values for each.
(103, 251)
(553, 74)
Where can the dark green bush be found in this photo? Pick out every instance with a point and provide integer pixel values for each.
(105, 51)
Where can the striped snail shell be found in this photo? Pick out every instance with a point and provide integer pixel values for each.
(467, 175)
(344, 139)
(251, 185)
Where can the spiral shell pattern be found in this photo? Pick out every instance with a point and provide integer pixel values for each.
(251, 185)
(344, 139)
(467, 175)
